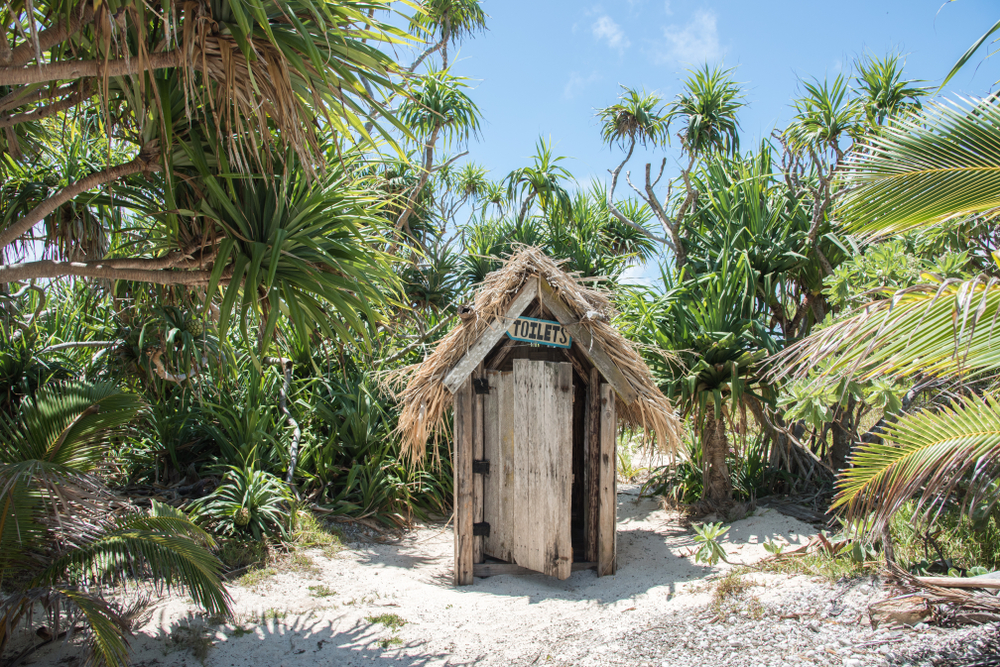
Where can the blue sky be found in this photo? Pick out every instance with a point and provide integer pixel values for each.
(544, 67)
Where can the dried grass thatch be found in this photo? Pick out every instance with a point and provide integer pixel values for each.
(426, 400)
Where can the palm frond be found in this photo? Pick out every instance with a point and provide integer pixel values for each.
(924, 169)
(971, 51)
(930, 455)
(944, 328)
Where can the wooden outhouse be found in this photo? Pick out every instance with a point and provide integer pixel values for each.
(540, 383)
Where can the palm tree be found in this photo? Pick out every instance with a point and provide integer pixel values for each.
(930, 169)
(715, 340)
(64, 537)
(636, 119)
(245, 74)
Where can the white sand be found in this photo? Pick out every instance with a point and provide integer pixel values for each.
(500, 620)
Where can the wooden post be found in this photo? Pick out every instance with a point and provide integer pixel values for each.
(606, 560)
(477, 453)
(592, 464)
(462, 467)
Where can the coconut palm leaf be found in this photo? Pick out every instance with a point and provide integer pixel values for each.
(924, 169)
(943, 328)
(931, 454)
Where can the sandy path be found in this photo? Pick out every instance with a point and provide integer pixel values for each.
(505, 620)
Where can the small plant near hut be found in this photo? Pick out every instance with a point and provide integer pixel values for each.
(707, 535)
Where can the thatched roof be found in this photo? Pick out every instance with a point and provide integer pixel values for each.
(426, 399)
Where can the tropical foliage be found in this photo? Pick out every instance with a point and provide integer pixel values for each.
(222, 224)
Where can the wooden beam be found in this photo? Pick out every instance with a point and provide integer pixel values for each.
(606, 537)
(587, 344)
(477, 454)
(462, 469)
(494, 332)
(592, 464)
(497, 569)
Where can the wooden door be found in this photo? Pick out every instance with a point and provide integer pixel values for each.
(528, 440)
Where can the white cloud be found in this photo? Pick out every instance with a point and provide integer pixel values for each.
(577, 82)
(605, 29)
(667, 8)
(695, 43)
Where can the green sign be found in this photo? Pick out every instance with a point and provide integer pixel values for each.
(543, 332)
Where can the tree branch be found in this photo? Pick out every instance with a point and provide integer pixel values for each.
(76, 344)
(417, 343)
(49, 37)
(669, 226)
(429, 51)
(12, 273)
(411, 201)
(22, 76)
(11, 120)
(141, 163)
(614, 209)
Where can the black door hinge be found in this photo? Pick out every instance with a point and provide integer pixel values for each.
(480, 385)
(481, 467)
(481, 529)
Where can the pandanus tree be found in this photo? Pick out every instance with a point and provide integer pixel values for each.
(214, 90)
(706, 109)
(438, 107)
(446, 21)
(541, 182)
(715, 339)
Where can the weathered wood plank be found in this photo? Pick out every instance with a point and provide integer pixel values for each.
(559, 428)
(496, 569)
(508, 500)
(583, 341)
(522, 543)
(491, 452)
(477, 454)
(478, 351)
(592, 448)
(462, 469)
(543, 466)
(606, 537)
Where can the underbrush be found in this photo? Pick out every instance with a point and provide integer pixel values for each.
(729, 596)
(749, 472)
(953, 543)
(833, 568)
(251, 562)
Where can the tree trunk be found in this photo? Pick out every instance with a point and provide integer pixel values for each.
(843, 435)
(718, 489)
(43, 269)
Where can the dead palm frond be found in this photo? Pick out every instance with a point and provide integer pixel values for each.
(931, 455)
